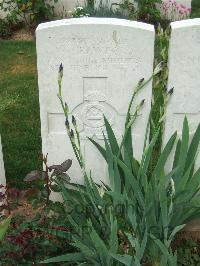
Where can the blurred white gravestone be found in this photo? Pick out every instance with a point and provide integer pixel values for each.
(103, 61)
(184, 76)
(2, 170)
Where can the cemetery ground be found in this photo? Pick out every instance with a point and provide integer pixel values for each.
(19, 109)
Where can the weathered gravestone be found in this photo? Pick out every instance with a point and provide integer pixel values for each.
(2, 171)
(184, 76)
(103, 61)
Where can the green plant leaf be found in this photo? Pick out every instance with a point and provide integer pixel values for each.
(133, 183)
(183, 149)
(117, 183)
(4, 225)
(125, 259)
(110, 163)
(111, 137)
(175, 231)
(167, 255)
(164, 156)
(99, 147)
(193, 148)
(128, 148)
(177, 154)
(147, 155)
(72, 257)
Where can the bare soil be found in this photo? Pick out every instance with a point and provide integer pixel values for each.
(23, 34)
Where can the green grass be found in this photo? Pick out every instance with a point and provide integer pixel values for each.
(19, 110)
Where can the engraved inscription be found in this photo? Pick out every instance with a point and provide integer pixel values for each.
(89, 113)
(99, 52)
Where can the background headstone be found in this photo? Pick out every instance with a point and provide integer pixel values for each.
(2, 171)
(184, 76)
(103, 61)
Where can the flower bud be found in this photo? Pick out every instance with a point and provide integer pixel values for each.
(67, 123)
(141, 81)
(72, 134)
(60, 75)
(74, 120)
(142, 102)
(170, 92)
(61, 70)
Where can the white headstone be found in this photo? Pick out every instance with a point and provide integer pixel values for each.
(184, 69)
(2, 171)
(103, 61)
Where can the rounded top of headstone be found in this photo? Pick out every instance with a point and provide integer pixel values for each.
(185, 23)
(96, 21)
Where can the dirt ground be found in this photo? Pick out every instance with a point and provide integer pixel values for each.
(23, 34)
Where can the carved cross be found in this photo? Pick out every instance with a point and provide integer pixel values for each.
(89, 113)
